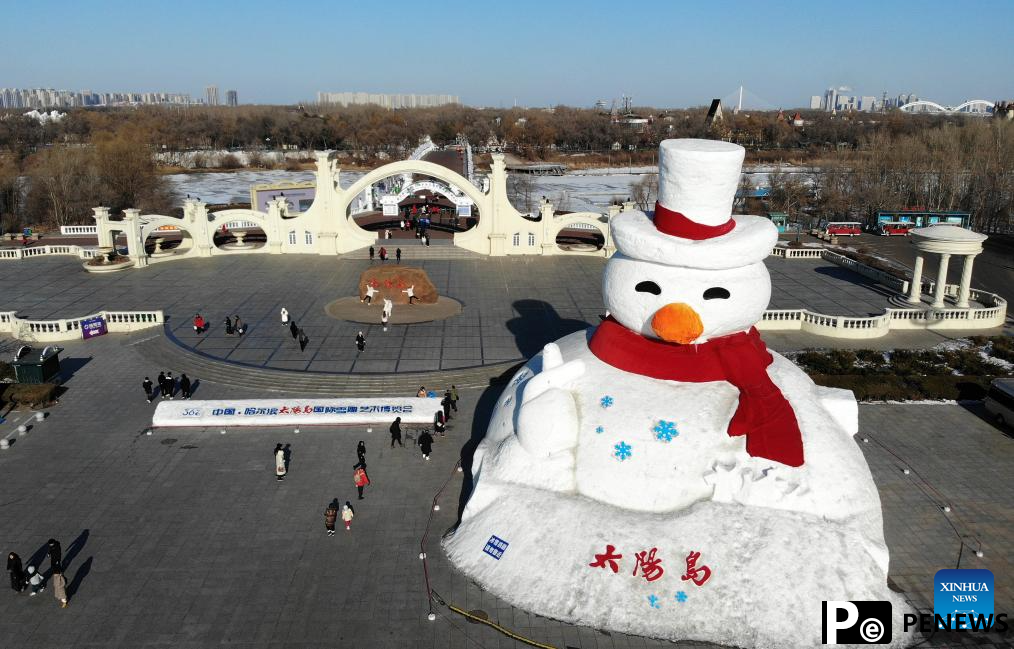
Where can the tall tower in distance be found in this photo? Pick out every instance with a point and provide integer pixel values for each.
(231, 99)
(211, 95)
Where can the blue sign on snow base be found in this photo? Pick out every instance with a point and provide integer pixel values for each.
(495, 547)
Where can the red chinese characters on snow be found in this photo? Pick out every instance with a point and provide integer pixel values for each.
(608, 558)
(695, 573)
(649, 566)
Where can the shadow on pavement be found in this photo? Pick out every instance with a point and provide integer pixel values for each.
(74, 548)
(79, 576)
(538, 324)
(70, 366)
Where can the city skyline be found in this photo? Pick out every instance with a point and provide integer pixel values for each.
(685, 55)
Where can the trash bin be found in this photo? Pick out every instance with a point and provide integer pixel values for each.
(34, 366)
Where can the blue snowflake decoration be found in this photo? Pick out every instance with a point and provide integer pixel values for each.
(665, 431)
(653, 601)
(600, 429)
(681, 596)
(606, 401)
(507, 401)
(622, 451)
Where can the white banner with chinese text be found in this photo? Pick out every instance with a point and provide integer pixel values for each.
(293, 412)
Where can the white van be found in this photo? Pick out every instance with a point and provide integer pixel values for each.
(1000, 401)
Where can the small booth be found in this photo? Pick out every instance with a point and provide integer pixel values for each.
(32, 366)
(781, 221)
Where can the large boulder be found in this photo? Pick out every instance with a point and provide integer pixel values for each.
(391, 280)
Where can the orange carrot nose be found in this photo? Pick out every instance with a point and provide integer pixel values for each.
(677, 323)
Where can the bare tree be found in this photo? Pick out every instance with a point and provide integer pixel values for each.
(644, 191)
(520, 191)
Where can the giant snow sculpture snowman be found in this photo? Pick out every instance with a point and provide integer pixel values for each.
(664, 474)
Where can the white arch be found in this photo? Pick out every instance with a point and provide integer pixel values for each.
(973, 102)
(422, 167)
(960, 108)
(923, 102)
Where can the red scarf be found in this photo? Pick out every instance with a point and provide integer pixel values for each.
(763, 413)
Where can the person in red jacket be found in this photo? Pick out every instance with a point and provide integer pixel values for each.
(199, 323)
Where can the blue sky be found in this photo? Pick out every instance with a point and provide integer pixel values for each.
(536, 53)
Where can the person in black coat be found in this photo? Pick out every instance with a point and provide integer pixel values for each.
(303, 340)
(161, 385)
(228, 325)
(147, 385)
(293, 329)
(426, 444)
(361, 344)
(185, 386)
(446, 403)
(361, 452)
(396, 432)
(55, 555)
(17, 572)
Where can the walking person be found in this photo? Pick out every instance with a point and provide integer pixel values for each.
(185, 386)
(438, 425)
(303, 340)
(161, 385)
(360, 477)
(426, 444)
(228, 326)
(360, 341)
(147, 385)
(396, 432)
(59, 587)
(293, 329)
(454, 398)
(285, 316)
(397, 254)
(347, 514)
(240, 326)
(17, 572)
(383, 254)
(199, 323)
(280, 469)
(330, 516)
(446, 404)
(55, 555)
(372, 253)
(36, 581)
(383, 320)
(361, 452)
(170, 385)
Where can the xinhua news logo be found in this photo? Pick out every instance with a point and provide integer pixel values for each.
(963, 600)
(846, 622)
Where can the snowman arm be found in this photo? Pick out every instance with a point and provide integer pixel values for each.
(842, 406)
(547, 420)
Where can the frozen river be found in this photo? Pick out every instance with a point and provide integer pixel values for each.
(588, 190)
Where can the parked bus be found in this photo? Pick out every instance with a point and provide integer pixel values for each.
(896, 228)
(843, 228)
(1000, 401)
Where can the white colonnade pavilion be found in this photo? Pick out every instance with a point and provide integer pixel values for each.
(944, 240)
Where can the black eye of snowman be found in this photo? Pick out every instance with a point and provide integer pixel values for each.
(648, 287)
(716, 293)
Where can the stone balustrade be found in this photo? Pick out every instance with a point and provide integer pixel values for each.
(70, 328)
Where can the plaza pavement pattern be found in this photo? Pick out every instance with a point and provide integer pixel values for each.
(184, 538)
(511, 306)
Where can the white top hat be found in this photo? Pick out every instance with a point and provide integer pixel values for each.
(693, 224)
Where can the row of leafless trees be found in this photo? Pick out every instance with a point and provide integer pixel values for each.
(59, 185)
(968, 168)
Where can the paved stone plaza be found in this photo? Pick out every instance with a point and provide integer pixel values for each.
(511, 306)
(184, 539)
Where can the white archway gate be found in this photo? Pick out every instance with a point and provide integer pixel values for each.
(327, 228)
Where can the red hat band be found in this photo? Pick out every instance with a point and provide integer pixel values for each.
(677, 225)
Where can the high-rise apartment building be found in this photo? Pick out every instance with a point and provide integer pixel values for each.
(49, 98)
(816, 102)
(386, 101)
(211, 95)
(231, 99)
